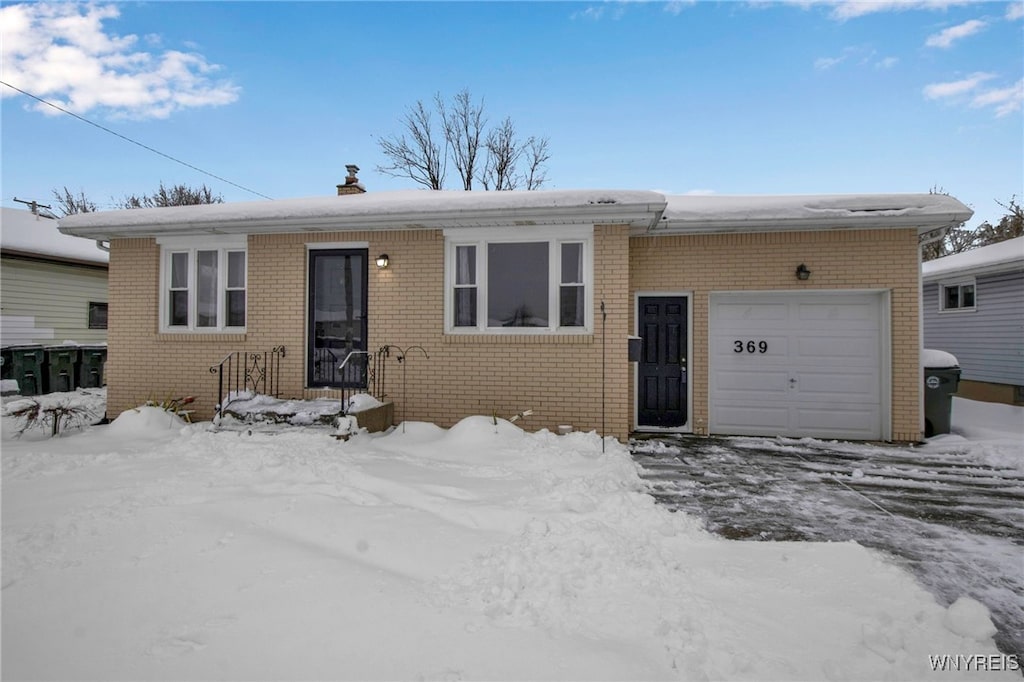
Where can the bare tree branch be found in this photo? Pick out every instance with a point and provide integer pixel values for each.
(420, 158)
(463, 129)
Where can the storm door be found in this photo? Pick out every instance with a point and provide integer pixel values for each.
(337, 318)
(661, 371)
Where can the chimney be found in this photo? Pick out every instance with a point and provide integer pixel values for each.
(352, 184)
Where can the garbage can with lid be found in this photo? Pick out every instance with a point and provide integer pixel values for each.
(27, 364)
(941, 379)
(63, 368)
(6, 363)
(90, 368)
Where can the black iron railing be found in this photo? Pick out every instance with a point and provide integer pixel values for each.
(248, 371)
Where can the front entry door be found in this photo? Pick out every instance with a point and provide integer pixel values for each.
(661, 371)
(337, 318)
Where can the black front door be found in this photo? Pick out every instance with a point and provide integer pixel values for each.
(661, 373)
(337, 318)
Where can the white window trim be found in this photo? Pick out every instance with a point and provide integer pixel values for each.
(192, 245)
(958, 282)
(555, 236)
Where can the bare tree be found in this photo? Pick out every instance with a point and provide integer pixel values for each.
(463, 131)
(69, 204)
(175, 195)
(418, 157)
(960, 239)
(495, 159)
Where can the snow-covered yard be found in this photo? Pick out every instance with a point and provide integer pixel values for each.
(152, 549)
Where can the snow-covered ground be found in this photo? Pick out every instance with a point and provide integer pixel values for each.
(153, 549)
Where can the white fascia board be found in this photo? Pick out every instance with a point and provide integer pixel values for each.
(638, 215)
(975, 271)
(922, 223)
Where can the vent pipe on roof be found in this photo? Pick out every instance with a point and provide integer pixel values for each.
(352, 184)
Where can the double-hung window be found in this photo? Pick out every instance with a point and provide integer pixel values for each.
(203, 284)
(502, 281)
(958, 295)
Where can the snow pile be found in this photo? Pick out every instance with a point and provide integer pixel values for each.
(147, 421)
(986, 432)
(361, 402)
(937, 359)
(478, 552)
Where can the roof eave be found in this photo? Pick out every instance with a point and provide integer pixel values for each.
(923, 223)
(640, 216)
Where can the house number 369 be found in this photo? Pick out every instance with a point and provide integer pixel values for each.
(750, 346)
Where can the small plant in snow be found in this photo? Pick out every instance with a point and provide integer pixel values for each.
(34, 415)
(175, 406)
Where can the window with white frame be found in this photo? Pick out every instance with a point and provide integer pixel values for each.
(497, 283)
(203, 284)
(958, 295)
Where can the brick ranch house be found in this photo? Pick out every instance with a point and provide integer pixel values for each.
(788, 315)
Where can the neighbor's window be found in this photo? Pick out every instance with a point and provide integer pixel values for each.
(503, 285)
(204, 288)
(97, 315)
(957, 295)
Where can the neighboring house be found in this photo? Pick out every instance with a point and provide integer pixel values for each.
(974, 308)
(794, 316)
(53, 288)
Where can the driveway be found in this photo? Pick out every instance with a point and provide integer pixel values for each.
(957, 525)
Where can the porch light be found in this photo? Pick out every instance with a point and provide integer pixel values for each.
(382, 261)
(802, 273)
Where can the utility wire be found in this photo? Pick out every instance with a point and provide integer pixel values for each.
(128, 139)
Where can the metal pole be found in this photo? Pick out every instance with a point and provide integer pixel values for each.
(604, 316)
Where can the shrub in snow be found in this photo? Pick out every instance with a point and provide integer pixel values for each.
(33, 414)
(147, 420)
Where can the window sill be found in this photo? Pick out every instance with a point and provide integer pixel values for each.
(572, 338)
(191, 336)
(950, 311)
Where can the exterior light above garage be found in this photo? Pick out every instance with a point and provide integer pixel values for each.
(802, 273)
(382, 261)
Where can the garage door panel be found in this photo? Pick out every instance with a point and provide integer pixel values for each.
(823, 422)
(727, 382)
(776, 314)
(845, 315)
(844, 350)
(752, 420)
(853, 387)
(820, 374)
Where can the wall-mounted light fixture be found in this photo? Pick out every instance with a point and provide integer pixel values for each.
(802, 273)
(382, 261)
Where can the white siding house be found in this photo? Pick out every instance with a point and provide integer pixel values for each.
(53, 288)
(973, 307)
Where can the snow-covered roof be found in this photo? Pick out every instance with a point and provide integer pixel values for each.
(404, 209)
(643, 211)
(1004, 256)
(719, 213)
(25, 233)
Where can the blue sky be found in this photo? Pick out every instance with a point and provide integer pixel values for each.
(723, 97)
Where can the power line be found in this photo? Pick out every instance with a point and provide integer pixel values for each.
(128, 139)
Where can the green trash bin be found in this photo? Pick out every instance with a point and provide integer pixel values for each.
(6, 363)
(941, 380)
(27, 363)
(90, 368)
(62, 363)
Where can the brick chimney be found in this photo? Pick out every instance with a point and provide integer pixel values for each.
(352, 184)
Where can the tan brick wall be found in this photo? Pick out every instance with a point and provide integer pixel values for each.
(855, 259)
(559, 377)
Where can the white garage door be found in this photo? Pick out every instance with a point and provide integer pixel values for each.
(796, 364)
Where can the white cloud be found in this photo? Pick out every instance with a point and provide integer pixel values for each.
(1002, 101)
(956, 88)
(825, 63)
(62, 52)
(947, 37)
(1015, 10)
(887, 63)
(1005, 100)
(851, 9)
(677, 6)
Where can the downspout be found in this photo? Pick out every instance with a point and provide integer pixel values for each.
(101, 246)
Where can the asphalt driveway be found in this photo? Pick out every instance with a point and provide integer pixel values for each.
(958, 526)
